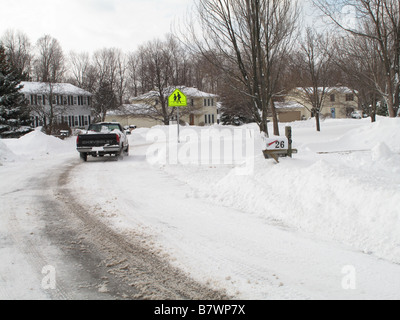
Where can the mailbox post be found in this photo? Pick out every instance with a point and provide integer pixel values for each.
(288, 133)
(280, 146)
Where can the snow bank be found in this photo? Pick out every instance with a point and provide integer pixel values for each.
(5, 153)
(350, 194)
(381, 152)
(385, 130)
(37, 144)
(350, 134)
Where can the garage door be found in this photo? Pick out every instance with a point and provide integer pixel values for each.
(290, 116)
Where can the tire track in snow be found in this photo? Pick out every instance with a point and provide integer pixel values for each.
(22, 240)
(130, 268)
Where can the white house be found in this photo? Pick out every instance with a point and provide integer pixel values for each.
(69, 104)
(145, 110)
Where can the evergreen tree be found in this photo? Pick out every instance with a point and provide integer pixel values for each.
(13, 106)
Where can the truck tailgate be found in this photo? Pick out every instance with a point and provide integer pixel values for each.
(97, 140)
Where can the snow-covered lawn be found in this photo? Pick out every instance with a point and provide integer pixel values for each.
(325, 224)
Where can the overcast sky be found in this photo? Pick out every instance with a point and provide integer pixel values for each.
(89, 25)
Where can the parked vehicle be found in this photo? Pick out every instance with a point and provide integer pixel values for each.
(356, 115)
(130, 128)
(105, 138)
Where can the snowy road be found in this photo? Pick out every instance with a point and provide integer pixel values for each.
(89, 260)
(131, 229)
(227, 248)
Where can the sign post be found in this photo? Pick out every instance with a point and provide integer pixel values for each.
(177, 100)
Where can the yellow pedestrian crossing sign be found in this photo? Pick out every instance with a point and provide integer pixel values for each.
(177, 99)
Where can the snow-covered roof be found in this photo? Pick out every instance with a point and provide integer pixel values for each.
(188, 91)
(343, 90)
(58, 88)
(288, 105)
(132, 109)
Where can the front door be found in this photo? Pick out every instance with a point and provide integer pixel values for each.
(192, 119)
(333, 113)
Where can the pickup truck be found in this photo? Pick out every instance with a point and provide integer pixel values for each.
(105, 138)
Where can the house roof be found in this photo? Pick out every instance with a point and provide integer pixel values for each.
(288, 105)
(188, 91)
(132, 109)
(58, 88)
(343, 90)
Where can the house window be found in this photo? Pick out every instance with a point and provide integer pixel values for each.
(333, 98)
(350, 97)
(209, 118)
(75, 100)
(81, 100)
(34, 99)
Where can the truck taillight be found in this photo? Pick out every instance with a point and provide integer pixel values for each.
(77, 140)
(118, 138)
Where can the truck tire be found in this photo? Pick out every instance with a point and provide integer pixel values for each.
(84, 156)
(126, 151)
(119, 155)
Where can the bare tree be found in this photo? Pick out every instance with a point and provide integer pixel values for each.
(158, 72)
(313, 61)
(121, 79)
(49, 65)
(49, 68)
(378, 21)
(161, 66)
(246, 40)
(204, 75)
(133, 83)
(79, 64)
(109, 70)
(19, 51)
(359, 59)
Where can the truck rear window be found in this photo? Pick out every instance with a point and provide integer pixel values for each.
(104, 127)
